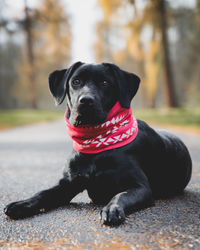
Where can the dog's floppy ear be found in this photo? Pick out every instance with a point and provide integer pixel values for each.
(58, 82)
(128, 84)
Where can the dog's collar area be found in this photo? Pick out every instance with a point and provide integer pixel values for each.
(119, 129)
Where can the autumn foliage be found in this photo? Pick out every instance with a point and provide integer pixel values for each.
(135, 34)
(156, 39)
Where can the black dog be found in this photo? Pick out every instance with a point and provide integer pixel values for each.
(156, 164)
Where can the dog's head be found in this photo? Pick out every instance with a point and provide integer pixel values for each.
(92, 90)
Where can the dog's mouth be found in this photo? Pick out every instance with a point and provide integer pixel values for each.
(86, 116)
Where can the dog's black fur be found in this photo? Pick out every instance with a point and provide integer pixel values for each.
(156, 164)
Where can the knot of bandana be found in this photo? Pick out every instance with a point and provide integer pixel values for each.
(119, 129)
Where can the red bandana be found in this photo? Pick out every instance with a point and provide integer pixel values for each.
(119, 129)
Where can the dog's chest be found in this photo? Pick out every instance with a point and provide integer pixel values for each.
(102, 186)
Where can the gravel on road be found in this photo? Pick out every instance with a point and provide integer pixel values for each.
(32, 159)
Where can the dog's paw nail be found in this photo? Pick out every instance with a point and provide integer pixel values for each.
(103, 216)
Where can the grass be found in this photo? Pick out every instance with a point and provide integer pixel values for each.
(182, 118)
(14, 118)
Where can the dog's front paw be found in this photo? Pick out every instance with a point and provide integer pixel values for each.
(112, 214)
(19, 210)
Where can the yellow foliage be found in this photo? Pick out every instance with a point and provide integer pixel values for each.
(134, 39)
(51, 39)
(134, 46)
(119, 56)
(53, 36)
(107, 31)
(152, 67)
(109, 6)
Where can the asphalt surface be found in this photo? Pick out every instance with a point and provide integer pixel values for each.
(32, 159)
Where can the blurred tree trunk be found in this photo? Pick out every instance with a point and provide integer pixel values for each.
(168, 74)
(30, 56)
(141, 64)
(48, 46)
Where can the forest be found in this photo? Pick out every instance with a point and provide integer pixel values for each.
(156, 39)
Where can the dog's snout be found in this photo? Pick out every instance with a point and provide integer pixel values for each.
(86, 100)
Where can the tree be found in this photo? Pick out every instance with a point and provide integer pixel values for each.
(169, 79)
(30, 55)
(48, 47)
(145, 52)
(154, 14)
(186, 60)
(9, 56)
(106, 31)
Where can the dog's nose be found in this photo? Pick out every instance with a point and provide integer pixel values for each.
(86, 100)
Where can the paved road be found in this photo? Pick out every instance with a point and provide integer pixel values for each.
(31, 159)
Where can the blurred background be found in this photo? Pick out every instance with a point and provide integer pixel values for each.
(156, 39)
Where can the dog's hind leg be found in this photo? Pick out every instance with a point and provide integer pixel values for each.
(175, 169)
(46, 200)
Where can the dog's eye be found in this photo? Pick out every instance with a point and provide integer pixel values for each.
(105, 83)
(76, 82)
